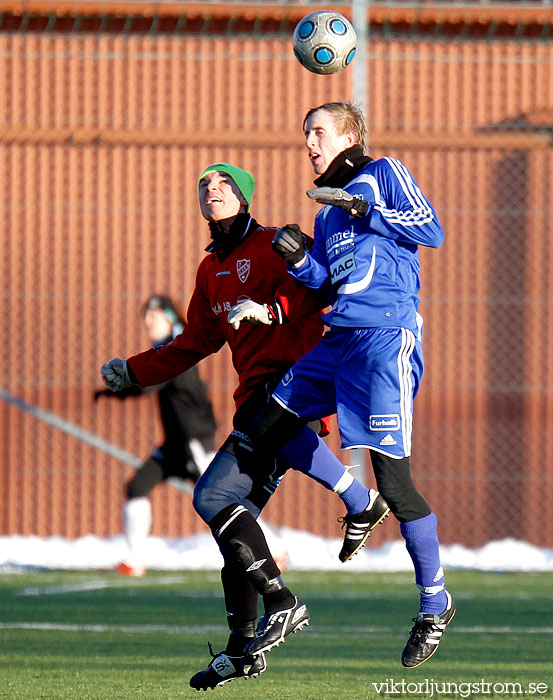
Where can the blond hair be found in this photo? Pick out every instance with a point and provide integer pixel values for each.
(347, 117)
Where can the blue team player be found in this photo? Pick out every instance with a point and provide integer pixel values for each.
(368, 367)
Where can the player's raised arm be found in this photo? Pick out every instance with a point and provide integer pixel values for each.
(401, 211)
(337, 197)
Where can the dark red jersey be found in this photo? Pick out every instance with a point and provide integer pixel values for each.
(252, 271)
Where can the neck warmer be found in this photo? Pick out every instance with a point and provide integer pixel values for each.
(227, 233)
(343, 168)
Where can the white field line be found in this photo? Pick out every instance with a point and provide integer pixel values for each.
(87, 586)
(65, 588)
(97, 585)
(127, 629)
(203, 629)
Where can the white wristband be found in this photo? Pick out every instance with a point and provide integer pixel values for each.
(300, 263)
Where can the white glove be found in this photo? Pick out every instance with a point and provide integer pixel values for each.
(248, 310)
(115, 374)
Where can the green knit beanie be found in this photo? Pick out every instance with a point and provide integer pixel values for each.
(244, 181)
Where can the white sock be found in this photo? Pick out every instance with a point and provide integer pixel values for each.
(137, 519)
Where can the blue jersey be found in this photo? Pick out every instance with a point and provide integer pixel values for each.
(370, 267)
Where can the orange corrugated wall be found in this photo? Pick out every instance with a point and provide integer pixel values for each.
(98, 209)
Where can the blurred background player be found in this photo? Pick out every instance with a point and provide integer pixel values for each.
(242, 279)
(188, 424)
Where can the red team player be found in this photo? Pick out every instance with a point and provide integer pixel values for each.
(240, 279)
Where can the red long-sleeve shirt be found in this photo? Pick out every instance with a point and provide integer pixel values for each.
(253, 270)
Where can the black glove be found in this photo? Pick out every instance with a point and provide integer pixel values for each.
(121, 395)
(289, 243)
(340, 198)
(101, 392)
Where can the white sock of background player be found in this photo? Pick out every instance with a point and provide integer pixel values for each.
(137, 519)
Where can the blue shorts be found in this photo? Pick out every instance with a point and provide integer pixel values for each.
(368, 377)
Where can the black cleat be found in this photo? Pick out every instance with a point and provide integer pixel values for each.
(360, 525)
(224, 668)
(274, 627)
(426, 635)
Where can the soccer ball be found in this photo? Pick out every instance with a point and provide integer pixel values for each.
(324, 42)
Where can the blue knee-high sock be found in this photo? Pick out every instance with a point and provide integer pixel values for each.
(307, 453)
(421, 539)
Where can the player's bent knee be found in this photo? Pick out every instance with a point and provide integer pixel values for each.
(405, 504)
(207, 503)
(393, 479)
(137, 487)
(217, 488)
(146, 478)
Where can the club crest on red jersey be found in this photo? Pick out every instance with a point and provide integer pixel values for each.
(243, 269)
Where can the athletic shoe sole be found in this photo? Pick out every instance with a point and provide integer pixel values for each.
(228, 680)
(291, 614)
(233, 678)
(279, 641)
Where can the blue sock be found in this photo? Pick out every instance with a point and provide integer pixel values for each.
(356, 497)
(421, 539)
(307, 453)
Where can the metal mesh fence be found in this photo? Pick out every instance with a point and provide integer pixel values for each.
(102, 137)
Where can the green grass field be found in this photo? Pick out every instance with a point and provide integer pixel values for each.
(93, 635)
